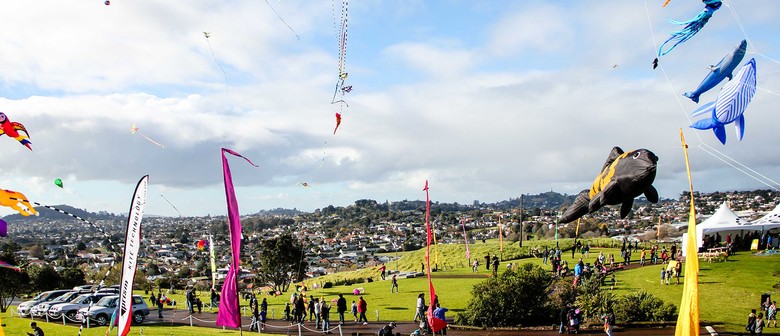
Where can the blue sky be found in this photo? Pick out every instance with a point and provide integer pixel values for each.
(486, 99)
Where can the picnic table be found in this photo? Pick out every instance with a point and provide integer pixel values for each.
(715, 254)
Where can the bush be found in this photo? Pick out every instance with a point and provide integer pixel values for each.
(511, 299)
(643, 306)
(328, 285)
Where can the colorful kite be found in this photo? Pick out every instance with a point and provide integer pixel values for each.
(338, 122)
(623, 177)
(12, 129)
(17, 201)
(134, 130)
(730, 105)
(202, 244)
(692, 27)
(58, 182)
(724, 69)
(4, 264)
(3, 228)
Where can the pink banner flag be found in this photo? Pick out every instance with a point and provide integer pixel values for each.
(229, 314)
(435, 323)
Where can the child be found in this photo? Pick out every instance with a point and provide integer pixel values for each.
(263, 315)
(354, 310)
(613, 281)
(287, 311)
(663, 275)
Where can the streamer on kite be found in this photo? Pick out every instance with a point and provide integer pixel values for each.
(340, 30)
(12, 129)
(338, 122)
(134, 130)
(3, 228)
(730, 105)
(623, 177)
(4, 264)
(692, 27)
(58, 182)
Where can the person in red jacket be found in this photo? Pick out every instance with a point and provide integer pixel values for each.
(362, 307)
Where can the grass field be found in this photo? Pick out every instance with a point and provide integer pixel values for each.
(728, 290)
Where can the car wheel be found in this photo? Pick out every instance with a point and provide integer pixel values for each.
(102, 320)
(71, 315)
(138, 318)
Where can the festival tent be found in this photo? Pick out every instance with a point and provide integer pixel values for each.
(724, 219)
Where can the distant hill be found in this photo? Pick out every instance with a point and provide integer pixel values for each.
(46, 213)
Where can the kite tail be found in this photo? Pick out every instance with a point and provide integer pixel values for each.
(692, 27)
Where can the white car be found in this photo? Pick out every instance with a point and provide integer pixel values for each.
(101, 311)
(70, 309)
(24, 308)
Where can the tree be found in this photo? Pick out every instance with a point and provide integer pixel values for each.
(44, 278)
(71, 277)
(510, 299)
(36, 251)
(81, 246)
(281, 262)
(12, 283)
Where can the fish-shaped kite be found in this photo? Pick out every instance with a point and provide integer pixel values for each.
(724, 69)
(730, 105)
(692, 27)
(12, 129)
(17, 201)
(623, 177)
(338, 122)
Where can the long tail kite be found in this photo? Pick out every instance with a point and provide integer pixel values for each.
(692, 27)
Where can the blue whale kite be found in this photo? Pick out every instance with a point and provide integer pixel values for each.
(730, 105)
(724, 69)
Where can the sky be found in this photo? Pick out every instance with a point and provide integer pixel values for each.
(485, 99)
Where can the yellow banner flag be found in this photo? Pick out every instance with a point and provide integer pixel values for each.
(688, 320)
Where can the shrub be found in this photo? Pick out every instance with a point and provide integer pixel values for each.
(328, 285)
(643, 306)
(513, 298)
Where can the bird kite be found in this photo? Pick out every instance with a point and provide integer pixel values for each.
(338, 122)
(134, 130)
(730, 105)
(692, 27)
(12, 129)
(623, 177)
(720, 71)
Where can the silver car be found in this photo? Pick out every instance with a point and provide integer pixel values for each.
(41, 309)
(24, 308)
(101, 311)
(70, 309)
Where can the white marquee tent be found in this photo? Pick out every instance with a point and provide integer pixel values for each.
(724, 221)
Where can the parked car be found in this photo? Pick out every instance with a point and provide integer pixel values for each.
(24, 308)
(70, 309)
(41, 309)
(101, 311)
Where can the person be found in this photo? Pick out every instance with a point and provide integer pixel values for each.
(563, 316)
(422, 267)
(300, 309)
(214, 299)
(325, 315)
(495, 264)
(439, 313)
(663, 274)
(263, 319)
(420, 307)
(355, 310)
(394, 282)
(199, 304)
(751, 324)
(609, 322)
(36, 331)
(475, 266)
(287, 311)
(341, 307)
(759, 328)
(190, 297)
(153, 299)
(642, 257)
(362, 309)
(382, 269)
(253, 307)
(160, 304)
(312, 317)
(317, 313)
(545, 255)
(771, 314)
(387, 330)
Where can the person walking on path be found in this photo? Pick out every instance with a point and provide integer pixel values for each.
(362, 307)
(751, 323)
(394, 282)
(771, 314)
(355, 310)
(325, 311)
(160, 304)
(609, 322)
(341, 307)
(420, 307)
(759, 329)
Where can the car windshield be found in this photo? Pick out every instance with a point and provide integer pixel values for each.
(51, 296)
(106, 301)
(39, 296)
(66, 297)
(84, 298)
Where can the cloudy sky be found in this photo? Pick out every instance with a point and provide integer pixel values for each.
(486, 99)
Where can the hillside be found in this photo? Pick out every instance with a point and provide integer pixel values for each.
(49, 214)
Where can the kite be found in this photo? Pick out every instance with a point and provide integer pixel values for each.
(58, 182)
(13, 199)
(666, 3)
(623, 177)
(107, 2)
(338, 122)
(3, 228)
(134, 130)
(692, 27)
(12, 129)
(718, 72)
(202, 244)
(4, 264)
(730, 105)
(305, 184)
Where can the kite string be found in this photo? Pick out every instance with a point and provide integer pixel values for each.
(739, 163)
(217, 62)
(169, 202)
(281, 19)
(739, 169)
